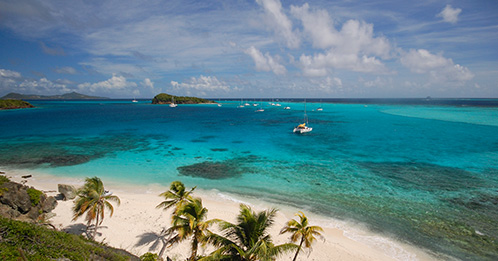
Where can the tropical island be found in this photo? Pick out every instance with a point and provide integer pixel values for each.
(14, 104)
(67, 96)
(164, 98)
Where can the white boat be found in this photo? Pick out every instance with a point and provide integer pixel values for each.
(303, 128)
(260, 110)
(173, 104)
(278, 105)
(286, 108)
(320, 108)
(247, 104)
(134, 100)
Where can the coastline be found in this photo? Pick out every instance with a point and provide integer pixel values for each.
(136, 223)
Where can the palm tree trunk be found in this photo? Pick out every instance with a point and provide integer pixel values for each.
(96, 224)
(194, 248)
(298, 249)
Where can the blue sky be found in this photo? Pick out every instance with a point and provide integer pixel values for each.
(249, 49)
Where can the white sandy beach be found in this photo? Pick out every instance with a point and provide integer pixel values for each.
(137, 221)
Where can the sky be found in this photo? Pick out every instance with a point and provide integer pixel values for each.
(250, 48)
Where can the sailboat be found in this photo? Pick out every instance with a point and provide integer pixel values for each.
(320, 108)
(303, 128)
(173, 104)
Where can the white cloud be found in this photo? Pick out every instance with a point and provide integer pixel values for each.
(266, 62)
(327, 84)
(65, 70)
(8, 74)
(116, 85)
(202, 86)
(440, 69)
(450, 14)
(280, 23)
(321, 64)
(353, 48)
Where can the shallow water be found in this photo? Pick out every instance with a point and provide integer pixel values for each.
(422, 174)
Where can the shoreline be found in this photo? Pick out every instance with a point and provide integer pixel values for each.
(136, 222)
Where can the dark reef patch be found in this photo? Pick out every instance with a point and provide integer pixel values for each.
(424, 176)
(65, 150)
(210, 170)
(221, 169)
(219, 149)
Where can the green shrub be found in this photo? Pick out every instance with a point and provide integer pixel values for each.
(34, 196)
(3, 179)
(149, 257)
(40, 243)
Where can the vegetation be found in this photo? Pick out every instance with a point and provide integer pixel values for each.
(248, 239)
(189, 221)
(3, 179)
(93, 199)
(14, 104)
(34, 196)
(176, 196)
(301, 230)
(164, 98)
(20, 240)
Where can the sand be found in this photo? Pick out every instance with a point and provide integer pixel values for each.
(137, 223)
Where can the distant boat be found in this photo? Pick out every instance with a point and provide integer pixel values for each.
(240, 105)
(303, 128)
(134, 100)
(173, 104)
(278, 104)
(286, 108)
(260, 110)
(320, 108)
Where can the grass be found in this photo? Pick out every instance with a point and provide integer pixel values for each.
(14, 104)
(21, 240)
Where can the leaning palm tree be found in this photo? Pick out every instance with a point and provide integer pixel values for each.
(248, 239)
(301, 230)
(189, 222)
(175, 196)
(93, 199)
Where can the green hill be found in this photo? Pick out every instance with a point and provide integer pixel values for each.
(164, 98)
(67, 96)
(24, 241)
(14, 104)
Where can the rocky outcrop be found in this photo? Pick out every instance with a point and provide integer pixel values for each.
(21, 202)
(67, 191)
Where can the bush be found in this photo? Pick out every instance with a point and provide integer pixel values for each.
(149, 257)
(3, 179)
(34, 196)
(40, 243)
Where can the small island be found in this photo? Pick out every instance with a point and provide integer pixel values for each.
(14, 104)
(164, 98)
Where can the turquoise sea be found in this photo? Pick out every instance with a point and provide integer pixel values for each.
(425, 174)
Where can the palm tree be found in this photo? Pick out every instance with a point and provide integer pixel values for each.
(247, 239)
(93, 199)
(175, 196)
(301, 229)
(189, 221)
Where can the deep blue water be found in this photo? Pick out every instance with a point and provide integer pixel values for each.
(424, 173)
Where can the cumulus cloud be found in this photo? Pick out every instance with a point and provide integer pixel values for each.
(265, 62)
(353, 48)
(439, 68)
(116, 85)
(65, 70)
(202, 86)
(279, 22)
(12, 81)
(450, 14)
(328, 84)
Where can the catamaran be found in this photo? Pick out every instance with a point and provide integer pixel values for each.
(303, 128)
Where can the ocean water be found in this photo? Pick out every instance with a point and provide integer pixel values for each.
(422, 174)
